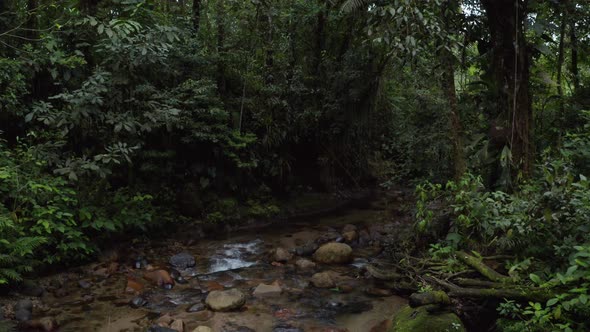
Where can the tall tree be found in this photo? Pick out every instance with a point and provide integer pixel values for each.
(196, 15)
(510, 66)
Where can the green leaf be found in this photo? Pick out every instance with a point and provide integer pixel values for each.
(535, 278)
(552, 302)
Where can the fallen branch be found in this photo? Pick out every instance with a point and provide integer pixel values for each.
(482, 268)
(540, 295)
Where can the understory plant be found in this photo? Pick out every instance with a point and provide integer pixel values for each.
(544, 226)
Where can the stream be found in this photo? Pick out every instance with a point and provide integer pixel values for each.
(114, 294)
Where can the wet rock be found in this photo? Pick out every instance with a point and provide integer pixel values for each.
(24, 305)
(30, 288)
(324, 279)
(307, 249)
(420, 320)
(164, 320)
(178, 277)
(178, 325)
(214, 286)
(23, 315)
(196, 307)
(45, 324)
(133, 286)
(364, 238)
(60, 292)
(286, 328)
(328, 237)
(333, 253)
(156, 328)
(160, 277)
(84, 284)
(349, 233)
(264, 290)
(305, 264)
(225, 300)
(140, 262)
(202, 329)
(182, 260)
(281, 255)
(202, 316)
(138, 302)
(349, 228)
(233, 328)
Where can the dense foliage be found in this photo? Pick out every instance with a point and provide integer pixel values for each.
(120, 116)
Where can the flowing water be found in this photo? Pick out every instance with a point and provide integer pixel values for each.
(236, 260)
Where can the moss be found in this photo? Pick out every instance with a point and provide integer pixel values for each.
(410, 319)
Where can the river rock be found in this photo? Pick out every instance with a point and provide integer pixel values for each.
(306, 249)
(178, 325)
(138, 301)
(349, 233)
(202, 329)
(410, 319)
(196, 307)
(225, 300)
(84, 284)
(281, 255)
(30, 288)
(133, 286)
(331, 236)
(264, 290)
(324, 279)
(160, 277)
(202, 316)
(24, 305)
(182, 260)
(364, 239)
(164, 320)
(45, 324)
(23, 315)
(305, 264)
(157, 328)
(333, 253)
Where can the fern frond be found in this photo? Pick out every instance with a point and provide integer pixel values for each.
(10, 274)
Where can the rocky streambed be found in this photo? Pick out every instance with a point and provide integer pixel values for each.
(305, 276)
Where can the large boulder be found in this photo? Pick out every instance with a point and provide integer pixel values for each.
(226, 300)
(333, 253)
(410, 319)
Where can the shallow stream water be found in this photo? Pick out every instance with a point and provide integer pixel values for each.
(235, 260)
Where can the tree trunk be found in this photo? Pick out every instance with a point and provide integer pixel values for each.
(510, 68)
(220, 45)
(196, 17)
(88, 7)
(560, 58)
(574, 54)
(448, 81)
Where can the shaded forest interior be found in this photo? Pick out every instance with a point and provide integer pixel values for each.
(120, 117)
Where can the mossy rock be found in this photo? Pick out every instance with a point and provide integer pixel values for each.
(410, 319)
